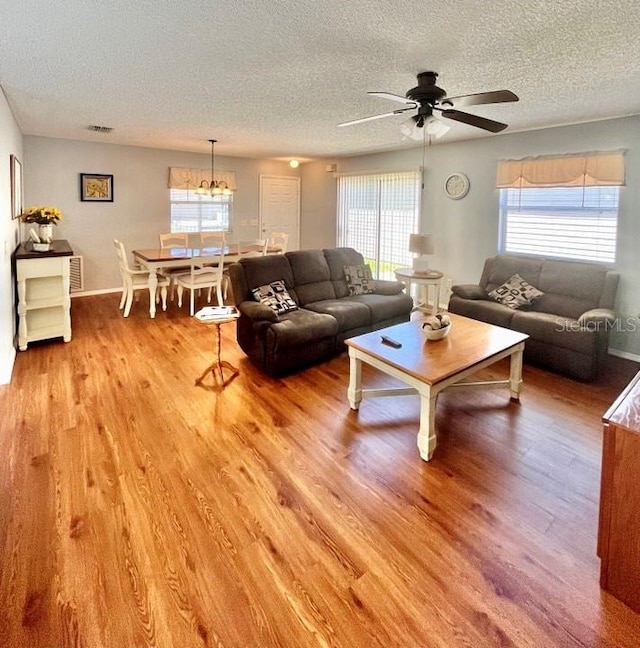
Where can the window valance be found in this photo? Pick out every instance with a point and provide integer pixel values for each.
(183, 178)
(583, 170)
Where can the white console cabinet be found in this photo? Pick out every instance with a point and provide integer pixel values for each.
(44, 304)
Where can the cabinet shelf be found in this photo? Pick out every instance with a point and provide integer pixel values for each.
(44, 304)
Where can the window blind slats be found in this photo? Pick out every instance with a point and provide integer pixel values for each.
(572, 223)
(376, 215)
(191, 212)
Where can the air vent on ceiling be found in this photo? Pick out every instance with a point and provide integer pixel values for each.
(100, 129)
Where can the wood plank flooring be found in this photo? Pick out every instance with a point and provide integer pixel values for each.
(139, 510)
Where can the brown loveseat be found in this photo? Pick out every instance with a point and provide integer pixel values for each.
(325, 312)
(567, 326)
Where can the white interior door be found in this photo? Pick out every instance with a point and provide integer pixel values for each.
(280, 207)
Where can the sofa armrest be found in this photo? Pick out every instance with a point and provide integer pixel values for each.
(384, 287)
(257, 311)
(469, 291)
(597, 319)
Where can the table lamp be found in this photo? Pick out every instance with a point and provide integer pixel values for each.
(421, 245)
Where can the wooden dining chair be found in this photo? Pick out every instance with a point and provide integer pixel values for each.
(134, 279)
(278, 240)
(202, 276)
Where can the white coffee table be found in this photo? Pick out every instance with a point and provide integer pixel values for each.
(430, 367)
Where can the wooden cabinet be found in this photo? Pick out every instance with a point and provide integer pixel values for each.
(44, 304)
(619, 529)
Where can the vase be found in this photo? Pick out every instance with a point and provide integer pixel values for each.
(45, 232)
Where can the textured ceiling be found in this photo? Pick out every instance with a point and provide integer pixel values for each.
(273, 78)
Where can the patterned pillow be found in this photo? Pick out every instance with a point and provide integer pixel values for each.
(359, 279)
(516, 292)
(275, 296)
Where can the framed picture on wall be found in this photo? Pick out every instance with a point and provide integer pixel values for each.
(96, 187)
(16, 186)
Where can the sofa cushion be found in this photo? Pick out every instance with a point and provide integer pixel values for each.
(302, 327)
(259, 271)
(311, 276)
(349, 314)
(482, 309)
(337, 258)
(384, 307)
(555, 330)
(499, 269)
(275, 296)
(571, 288)
(516, 292)
(359, 279)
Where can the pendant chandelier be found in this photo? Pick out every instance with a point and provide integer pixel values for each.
(215, 187)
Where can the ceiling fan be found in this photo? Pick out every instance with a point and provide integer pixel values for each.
(427, 97)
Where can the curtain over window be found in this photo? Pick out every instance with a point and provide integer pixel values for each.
(184, 178)
(376, 215)
(561, 206)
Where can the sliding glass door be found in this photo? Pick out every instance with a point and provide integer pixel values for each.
(376, 215)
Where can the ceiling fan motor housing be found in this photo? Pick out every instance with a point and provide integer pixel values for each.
(426, 92)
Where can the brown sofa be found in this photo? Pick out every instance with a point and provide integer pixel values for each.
(326, 313)
(568, 326)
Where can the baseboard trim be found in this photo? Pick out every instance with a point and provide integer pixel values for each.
(103, 291)
(625, 354)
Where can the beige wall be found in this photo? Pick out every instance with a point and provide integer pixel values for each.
(140, 209)
(10, 143)
(466, 231)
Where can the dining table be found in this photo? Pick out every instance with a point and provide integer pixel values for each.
(155, 259)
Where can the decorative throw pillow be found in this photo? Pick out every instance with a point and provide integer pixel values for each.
(516, 292)
(275, 296)
(359, 279)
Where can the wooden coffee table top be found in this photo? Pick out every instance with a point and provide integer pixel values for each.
(431, 361)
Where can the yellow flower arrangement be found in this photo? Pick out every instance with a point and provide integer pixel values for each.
(42, 215)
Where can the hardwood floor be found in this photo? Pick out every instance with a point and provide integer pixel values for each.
(137, 509)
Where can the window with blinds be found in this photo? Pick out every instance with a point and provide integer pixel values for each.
(563, 206)
(191, 212)
(376, 215)
(577, 223)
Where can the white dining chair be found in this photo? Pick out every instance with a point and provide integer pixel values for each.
(173, 241)
(218, 241)
(256, 247)
(278, 240)
(134, 279)
(202, 276)
(213, 240)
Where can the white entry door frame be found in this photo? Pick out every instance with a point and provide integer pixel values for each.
(280, 207)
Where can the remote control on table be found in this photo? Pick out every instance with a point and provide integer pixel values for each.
(391, 342)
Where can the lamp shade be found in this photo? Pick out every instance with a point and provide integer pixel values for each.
(421, 244)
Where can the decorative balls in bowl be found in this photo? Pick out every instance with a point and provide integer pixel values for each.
(436, 327)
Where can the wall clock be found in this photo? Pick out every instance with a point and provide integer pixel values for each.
(456, 186)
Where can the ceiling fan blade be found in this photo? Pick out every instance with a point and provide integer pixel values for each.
(474, 120)
(366, 119)
(497, 96)
(394, 97)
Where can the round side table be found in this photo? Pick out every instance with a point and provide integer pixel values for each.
(424, 281)
(218, 366)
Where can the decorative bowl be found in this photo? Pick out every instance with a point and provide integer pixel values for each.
(41, 247)
(437, 334)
